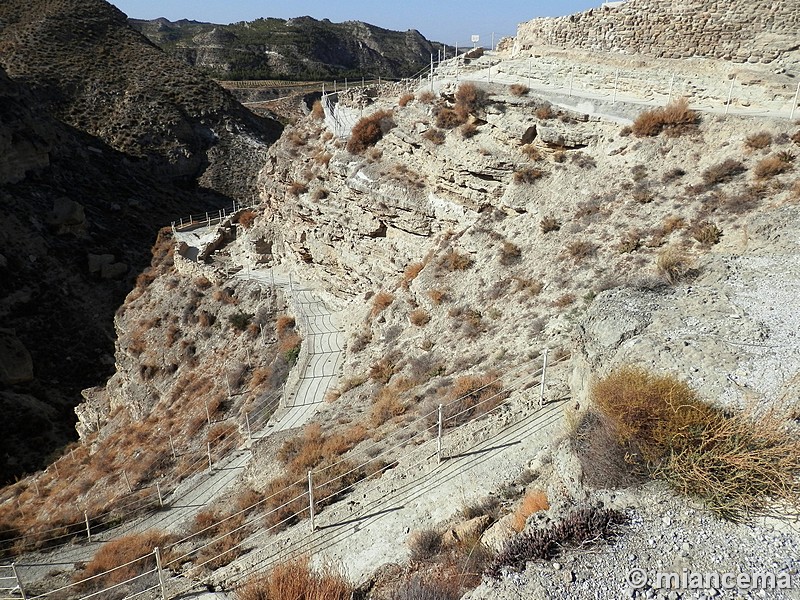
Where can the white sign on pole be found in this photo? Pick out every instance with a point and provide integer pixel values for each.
(475, 40)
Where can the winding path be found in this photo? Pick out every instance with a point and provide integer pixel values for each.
(317, 368)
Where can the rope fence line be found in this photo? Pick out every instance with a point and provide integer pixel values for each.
(298, 514)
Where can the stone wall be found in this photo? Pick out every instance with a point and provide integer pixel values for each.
(735, 30)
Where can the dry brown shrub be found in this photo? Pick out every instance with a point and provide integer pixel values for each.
(419, 317)
(296, 188)
(455, 261)
(737, 464)
(706, 233)
(723, 171)
(450, 118)
(545, 112)
(202, 283)
(224, 296)
(469, 98)
(580, 250)
(295, 580)
(435, 136)
(405, 99)
(564, 300)
(411, 272)
(531, 152)
(247, 218)
(674, 265)
(548, 224)
(437, 296)
(771, 166)
(517, 89)
(369, 130)
(471, 396)
(317, 111)
(387, 406)
(528, 175)
(758, 141)
(426, 97)
(425, 545)
(468, 130)
(382, 370)
(674, 120)
(284, 325)
(118, 552)
(533, 502)
(380, 302)
(510, 253)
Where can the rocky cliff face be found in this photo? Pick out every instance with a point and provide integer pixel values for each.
(296, 49)
(104, 140)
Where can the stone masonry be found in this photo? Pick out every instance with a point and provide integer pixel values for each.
(736, 30)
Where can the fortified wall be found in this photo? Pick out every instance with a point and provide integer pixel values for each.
(755, 31)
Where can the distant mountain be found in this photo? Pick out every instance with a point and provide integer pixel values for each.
(297, 49)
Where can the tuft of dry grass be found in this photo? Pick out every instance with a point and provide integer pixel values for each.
(247, 218)
(528, 176)
(758, 141)
(435, 136)
(706, 233)
(518, 89)
(126, 549)
(510, 253)
(673, 265)
(471, 396)
(675, 119)
(369, 130)
(380, 302)
(771, 166)
(580, 250)
(738, 464)
(411, 272)
(723, 171)
(437, 296)
(533, 502)
(425, 545)
(548, 224)
(455, 261)
(426, 97)
(317, 111)
(419, 317)
(295, 580)
(405, 99)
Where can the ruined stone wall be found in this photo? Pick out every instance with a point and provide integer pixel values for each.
(736, 30)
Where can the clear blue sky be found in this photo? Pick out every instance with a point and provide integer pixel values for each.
(447, 21)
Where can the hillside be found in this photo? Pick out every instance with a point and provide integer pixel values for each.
(104, 140)
(295, 49)
(502, 335)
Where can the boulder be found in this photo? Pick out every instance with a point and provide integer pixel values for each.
(496, 536)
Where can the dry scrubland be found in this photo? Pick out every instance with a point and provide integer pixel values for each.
(525, 231)
(475, 242)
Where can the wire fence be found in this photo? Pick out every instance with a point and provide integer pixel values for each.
(428, 429)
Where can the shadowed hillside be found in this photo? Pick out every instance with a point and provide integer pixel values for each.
(104, 140)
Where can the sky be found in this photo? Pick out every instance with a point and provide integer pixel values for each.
(447, 21)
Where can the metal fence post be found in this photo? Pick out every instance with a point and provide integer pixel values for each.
(158, 491)
(19, 581)
(208, 413)
(247, 422)
(210, 464)
(88, 530)
(616, 83)
(311, 498)
(172, 445)
(730, 95)
(794, 104)
(439, 436)
(161, 585)
(541, 386)
(127, 481)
